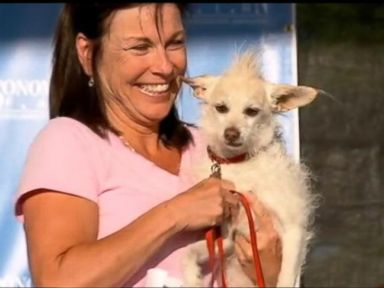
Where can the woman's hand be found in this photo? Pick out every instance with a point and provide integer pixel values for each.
(268, 244)
(204, 205)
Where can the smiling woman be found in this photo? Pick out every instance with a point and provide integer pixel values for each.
(141, 62)
(96, 213)
(138, 73)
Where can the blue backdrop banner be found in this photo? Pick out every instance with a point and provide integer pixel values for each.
(215, 31)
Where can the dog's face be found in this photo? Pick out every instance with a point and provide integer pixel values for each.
(233, 109)
(239, 106)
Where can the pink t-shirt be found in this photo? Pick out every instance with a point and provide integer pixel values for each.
(67, 156)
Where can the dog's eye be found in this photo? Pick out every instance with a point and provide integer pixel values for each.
(252, 112)
(221, 108)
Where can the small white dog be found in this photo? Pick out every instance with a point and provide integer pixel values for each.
(238, 117)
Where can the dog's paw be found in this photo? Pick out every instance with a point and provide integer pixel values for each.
(193, 277)
(192, 270)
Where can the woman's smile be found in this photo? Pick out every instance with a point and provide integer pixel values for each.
(155, 90)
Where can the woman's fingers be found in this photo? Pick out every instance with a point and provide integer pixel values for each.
(269, 244)
(264, 217)
(269, 250)
(243, 252)
(208, 203)
(241, 247)
(231, 205)
(261, 211)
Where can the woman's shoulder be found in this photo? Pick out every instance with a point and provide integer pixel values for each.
(66, 129)
(198, 144)
(62, 158)
(65, 124)
(197, 136)
(62, 135)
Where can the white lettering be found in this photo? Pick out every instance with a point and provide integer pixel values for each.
(28, 88)
(23, 98)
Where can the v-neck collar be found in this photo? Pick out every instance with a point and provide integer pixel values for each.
(115, 141)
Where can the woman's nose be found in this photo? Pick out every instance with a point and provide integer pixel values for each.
(162, 63)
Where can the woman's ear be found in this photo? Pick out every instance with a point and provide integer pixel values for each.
(84, 48)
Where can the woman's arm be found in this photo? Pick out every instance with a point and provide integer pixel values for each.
(62, 229)
(61, 234)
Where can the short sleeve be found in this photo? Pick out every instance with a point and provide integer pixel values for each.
(62, 158)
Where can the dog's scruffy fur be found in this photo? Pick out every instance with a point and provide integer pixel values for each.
(238, 116)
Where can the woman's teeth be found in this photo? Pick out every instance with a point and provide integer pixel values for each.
(153, 90)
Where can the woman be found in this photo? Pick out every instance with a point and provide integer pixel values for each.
(105, 192)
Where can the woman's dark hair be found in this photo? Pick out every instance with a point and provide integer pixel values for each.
(69, 93)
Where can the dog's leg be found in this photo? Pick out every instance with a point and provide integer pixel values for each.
(235, 274)
(195, 255)
(293, 242)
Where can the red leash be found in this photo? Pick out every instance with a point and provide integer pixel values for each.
(252, 231)
(214, 234)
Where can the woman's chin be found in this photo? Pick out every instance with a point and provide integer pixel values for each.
(157, 115)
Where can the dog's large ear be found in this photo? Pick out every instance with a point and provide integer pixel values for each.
(201, 84)
(287, 97)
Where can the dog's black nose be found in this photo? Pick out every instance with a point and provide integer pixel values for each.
(231, 134)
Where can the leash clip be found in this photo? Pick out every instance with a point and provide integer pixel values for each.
(216, 170)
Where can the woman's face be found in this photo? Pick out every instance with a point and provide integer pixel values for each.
(142, 57)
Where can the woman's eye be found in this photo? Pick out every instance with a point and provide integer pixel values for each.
(252, 112)
(141, 48)
(221, 108)
(176, 44)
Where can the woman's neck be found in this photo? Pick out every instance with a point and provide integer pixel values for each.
(146, 142)
(143, 139)
(132, 129)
